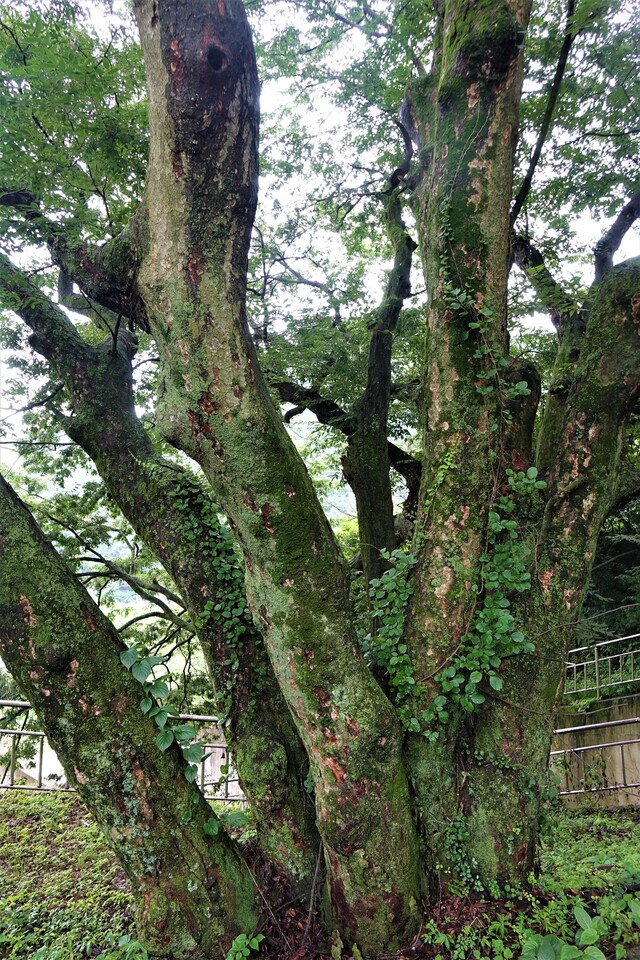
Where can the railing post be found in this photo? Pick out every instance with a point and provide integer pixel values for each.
(597, 666)
(40, 761)
(12, 762)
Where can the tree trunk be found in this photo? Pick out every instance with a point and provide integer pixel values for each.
(366, 464)
(595, 386)
(199, 206)
(467, 112)
(192, 891)
(175, 517)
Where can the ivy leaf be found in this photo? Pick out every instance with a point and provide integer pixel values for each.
(141, 670)
(212, 827)
(164, 739)
(193, 753)
(129, 657)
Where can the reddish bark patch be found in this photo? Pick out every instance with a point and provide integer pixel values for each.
(516, 461)
(71, 676)
(352, 726)
(195, 268)
(322, 696)
(176, 66)
(222, 8)
(329, 737)
(545, 579)
(28, 615)
(88, 617)
(337, 768)
(266, 510)
(206, 404)
(198, 425)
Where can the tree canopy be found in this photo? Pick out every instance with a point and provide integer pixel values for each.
(430, 178)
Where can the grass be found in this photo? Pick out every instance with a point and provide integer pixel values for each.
(63, 897)
(60, 887)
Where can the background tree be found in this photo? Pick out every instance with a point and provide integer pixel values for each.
(425, 731)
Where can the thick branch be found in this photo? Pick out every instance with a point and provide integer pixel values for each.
(366, 463)
(175, 517)
(65, 656)
(104, 273)
(609, 243)
(562, 309)
(332, 415)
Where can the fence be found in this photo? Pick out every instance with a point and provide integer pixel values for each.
(601, 767)
(217, 778)
(608, 665)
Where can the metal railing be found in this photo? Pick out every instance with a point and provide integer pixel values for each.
(600, 767)
(216, 776)
(603, 666)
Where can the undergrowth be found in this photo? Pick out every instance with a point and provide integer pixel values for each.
(62, 896)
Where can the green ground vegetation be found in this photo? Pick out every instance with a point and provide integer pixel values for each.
(63, 897)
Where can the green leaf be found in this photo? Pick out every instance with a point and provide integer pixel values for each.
(129, 657)
(159, 689)
(588, 936)
(193, 753)
(141, 670)
(549, 948)
(164, 739)
(582, 917)
(212, 827)
(191, 772)
(569, 952)
(593, 953)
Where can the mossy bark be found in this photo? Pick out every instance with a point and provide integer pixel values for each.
(199, 201)
(468, 116)
(174, 515)
(193, 893)
(595, 386)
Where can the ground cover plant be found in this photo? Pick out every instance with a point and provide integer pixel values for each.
(63, 896)
(424, 170)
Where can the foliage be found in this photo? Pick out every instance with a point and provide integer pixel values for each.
(583, 886)
(243, 945)
(47, 840)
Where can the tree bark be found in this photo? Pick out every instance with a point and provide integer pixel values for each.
(199, 205)
(174, 515)
(192, 891)
(467, 110)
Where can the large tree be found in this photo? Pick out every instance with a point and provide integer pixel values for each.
(425, 741)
